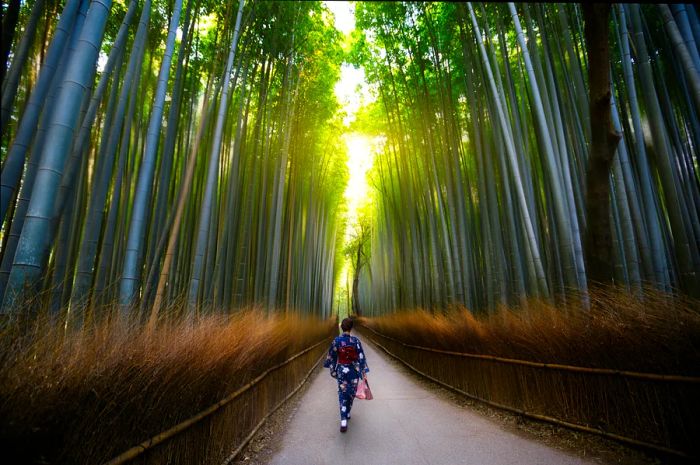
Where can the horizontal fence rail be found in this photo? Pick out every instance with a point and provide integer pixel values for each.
(659, 412)
(553, 366)
(236, 422)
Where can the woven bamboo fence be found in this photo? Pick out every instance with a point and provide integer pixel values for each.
(219, 433)
(658, 412)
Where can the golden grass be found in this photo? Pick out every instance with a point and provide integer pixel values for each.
(657, 333)
(86, 396)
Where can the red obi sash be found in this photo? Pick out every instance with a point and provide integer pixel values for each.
(347, 355)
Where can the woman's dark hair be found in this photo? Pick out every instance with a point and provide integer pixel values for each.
(346, 325)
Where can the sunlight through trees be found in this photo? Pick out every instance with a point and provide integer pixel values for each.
(203, 161)
(198, 155)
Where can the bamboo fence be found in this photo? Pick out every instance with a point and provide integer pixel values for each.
(219, 433)
(658, 412)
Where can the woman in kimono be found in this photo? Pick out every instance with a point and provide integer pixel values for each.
(348, 365)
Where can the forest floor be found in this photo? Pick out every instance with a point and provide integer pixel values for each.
(415, 421)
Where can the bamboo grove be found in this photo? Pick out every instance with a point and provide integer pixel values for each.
(175, 156)
(170, 157)
(480, 178)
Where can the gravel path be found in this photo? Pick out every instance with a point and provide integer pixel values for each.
(405, 424)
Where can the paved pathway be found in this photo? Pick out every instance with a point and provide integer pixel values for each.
(405, 424)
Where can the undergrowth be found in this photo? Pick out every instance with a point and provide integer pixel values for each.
(652, 332)
(86, 396)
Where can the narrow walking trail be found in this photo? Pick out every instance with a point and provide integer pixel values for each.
(405, 424)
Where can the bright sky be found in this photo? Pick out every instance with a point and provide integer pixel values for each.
(351, 89)
(344, 13)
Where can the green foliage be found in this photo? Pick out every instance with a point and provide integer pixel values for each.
(370, 120)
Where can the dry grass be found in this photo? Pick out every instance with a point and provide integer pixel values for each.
(655, 334)
(658, 333)
(85, 397)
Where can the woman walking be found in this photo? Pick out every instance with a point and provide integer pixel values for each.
(348, 365)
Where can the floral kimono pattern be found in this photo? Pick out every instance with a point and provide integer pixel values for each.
(348, 373)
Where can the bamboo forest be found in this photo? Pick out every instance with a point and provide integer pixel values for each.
(504, 198)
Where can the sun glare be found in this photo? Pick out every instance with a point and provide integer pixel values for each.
(360, 153)
(360, 157)
(344, 13)
(352, 92)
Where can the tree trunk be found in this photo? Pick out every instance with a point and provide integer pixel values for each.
(212, 172)
(34, 244)
(9, 22)
(356, 280)
(604, 140)
(19, 58)
(133, 258)
(15, 161)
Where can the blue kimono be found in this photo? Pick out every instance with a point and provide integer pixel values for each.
(347, 362)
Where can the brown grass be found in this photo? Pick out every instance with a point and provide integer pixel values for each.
(658, 333)
(85, 397)
(655, 334)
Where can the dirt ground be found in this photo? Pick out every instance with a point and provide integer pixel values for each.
(267, 440)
